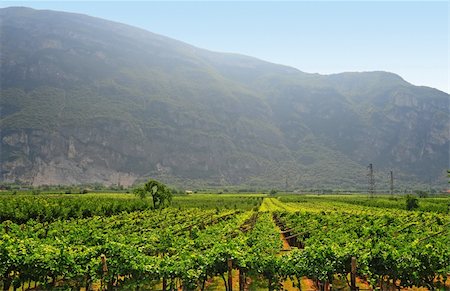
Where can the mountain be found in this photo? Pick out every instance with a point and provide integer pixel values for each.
(85, 100)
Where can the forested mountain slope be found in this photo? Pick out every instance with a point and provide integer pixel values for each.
(86, 100)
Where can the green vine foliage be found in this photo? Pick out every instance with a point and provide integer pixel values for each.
(187, 247)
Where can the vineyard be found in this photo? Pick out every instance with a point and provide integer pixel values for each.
(222, 242)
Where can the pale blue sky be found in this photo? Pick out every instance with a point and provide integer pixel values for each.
(407, 38)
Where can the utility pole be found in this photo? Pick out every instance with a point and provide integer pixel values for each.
(286, 185)
(371, 181)
(392, 182)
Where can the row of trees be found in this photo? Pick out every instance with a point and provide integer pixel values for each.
(97, 187)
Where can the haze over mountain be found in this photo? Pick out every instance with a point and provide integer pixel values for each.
(86, 100)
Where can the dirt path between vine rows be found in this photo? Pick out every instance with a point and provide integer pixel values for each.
(273, 204)
(288, 284)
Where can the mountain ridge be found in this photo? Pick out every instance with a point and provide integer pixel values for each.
(86, 101)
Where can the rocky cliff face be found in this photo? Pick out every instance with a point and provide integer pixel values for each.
(84, 100)
(49, 158)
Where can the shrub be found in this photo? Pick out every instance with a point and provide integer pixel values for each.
(421, 194)
(411, 202)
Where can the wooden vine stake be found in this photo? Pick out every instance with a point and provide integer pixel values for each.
(230, 275)
(104, 270)
(241, 280)
(353, 276)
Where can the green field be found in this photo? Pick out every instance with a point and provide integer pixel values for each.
(284, 242)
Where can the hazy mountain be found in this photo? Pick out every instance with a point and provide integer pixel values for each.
(88, 100)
